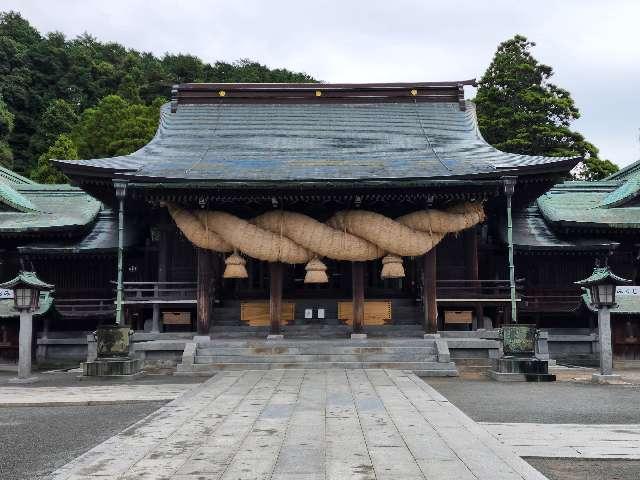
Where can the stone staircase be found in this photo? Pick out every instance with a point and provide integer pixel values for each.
(417, 355)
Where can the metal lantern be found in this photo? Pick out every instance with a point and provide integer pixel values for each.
(26, 290)
(602, 286)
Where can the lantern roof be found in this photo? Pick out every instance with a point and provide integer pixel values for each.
(602, 275)
(29, 279)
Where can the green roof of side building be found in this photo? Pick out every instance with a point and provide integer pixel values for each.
(608, 204)
(28, 208)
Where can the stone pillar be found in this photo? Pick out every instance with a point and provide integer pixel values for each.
(509, 188)
(275, 298)
(205, 283)
(430, 322)
(604, 334)
(357, 291)
(24, 344)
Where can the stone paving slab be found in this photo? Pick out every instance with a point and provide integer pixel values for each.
(89, 395)
(569, 440)
(304, 425)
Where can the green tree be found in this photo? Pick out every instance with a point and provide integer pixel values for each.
(521, 111)
(58, 118)
(62, 149)
(115, 127)
(6, 127)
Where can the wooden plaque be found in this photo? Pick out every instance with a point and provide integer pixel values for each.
(464, 317)
(176, 318)
(376, 312)
(256, 314)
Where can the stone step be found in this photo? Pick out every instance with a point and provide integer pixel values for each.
(434, 368)
(311, 344)
(307, 358)
(271, 350)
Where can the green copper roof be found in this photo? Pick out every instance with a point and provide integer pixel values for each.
(606, 204)
(532, 233)
(29, 279)
(10, 177)
(14, 199)
(7, 306)
(601, 275)
(46, 208)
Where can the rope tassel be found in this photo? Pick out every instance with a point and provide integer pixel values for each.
(235, 267)
(392, 267)
(316, 272)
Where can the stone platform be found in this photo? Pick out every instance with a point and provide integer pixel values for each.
(425, 357)
(304, 425)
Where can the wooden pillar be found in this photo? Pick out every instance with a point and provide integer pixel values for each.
(357, 289)
(470, 240)
(204, 290)
(275, 296)
(430, 322)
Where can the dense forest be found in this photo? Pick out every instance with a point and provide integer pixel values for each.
(81, 98)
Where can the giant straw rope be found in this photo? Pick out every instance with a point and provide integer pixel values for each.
(352, 235)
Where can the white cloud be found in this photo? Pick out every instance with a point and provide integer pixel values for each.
(594, 46)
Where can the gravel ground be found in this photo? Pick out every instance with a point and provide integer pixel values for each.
(70, 378)
(555, 402)
(572, 469)
(37, 440)
(558, 402)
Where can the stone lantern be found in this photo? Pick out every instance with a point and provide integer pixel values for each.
(26, 296)
(601, 285)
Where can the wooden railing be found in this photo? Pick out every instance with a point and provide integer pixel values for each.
(470, 290)
(550, 300)
(85, 307)
(159, 292)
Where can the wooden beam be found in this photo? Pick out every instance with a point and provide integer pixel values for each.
(357, 288)
(430, 322)
(205, 290)
(275, 296)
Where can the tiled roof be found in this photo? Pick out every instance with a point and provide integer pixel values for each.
(600, 204)
(102, 238)
(45, 208)
(531, 233)
(315, 141)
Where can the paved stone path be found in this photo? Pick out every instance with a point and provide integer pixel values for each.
(304, 425)
(89, 395)
(569, 440)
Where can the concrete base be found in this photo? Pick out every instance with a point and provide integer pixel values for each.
(23, 380)
(606, 379)
(201, 338)
(275, 337)
(112, 367)
(431, 336)
(521, 369)
(358, 336)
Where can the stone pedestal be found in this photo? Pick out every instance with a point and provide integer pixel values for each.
(358, 336)
(521, 369)
(606, 379)
(112, 367)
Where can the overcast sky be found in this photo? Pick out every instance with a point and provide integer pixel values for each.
(593, 46)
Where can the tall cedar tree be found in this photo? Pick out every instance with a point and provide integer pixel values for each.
(520, 111)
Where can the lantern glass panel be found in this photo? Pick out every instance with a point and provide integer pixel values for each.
(606, 294)
(23, 297)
